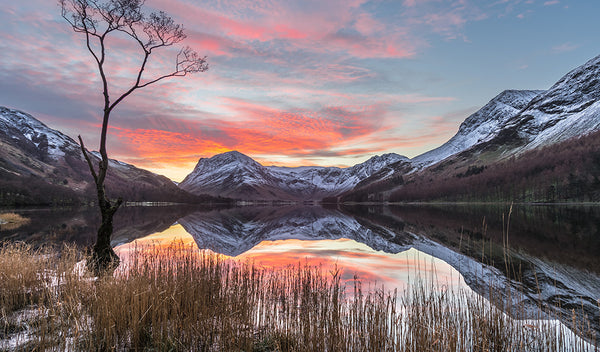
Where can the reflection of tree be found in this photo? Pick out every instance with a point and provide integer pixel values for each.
(75, 226)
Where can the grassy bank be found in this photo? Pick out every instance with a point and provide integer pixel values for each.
(175, 299)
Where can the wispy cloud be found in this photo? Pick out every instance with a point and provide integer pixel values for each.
(564, 47)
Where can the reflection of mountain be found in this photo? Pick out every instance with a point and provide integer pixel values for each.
(546, 263)
(437, 233)
(235, 231)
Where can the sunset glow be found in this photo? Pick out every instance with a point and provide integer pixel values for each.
(293, 83)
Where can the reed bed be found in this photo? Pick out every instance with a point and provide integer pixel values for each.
(181, 299)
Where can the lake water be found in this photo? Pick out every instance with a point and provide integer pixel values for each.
(548, 254)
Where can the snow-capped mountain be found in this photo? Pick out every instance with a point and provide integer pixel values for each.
(481, 126)
(236, 175)
(333, 180)
(512, 123)
(520, 120)
(41, 165)
(570, 108)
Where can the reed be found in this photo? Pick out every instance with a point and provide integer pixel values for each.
(181, 299)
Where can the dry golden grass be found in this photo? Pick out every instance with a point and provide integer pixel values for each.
(11, 221)
(180, 299)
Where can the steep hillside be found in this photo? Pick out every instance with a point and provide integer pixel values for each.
(561, 172)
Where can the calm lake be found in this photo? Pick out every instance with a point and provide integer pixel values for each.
(548, 254)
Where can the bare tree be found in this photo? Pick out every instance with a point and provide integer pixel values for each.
(98, 20)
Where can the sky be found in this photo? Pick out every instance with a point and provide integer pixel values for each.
(294, 82)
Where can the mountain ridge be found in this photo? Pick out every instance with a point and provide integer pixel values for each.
(41, 165)
(236, 175)
(532, 121)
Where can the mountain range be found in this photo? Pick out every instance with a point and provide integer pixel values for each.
(514, 125)
(236, 175)
(521, 146)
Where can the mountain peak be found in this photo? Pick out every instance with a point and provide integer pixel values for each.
(387, 157)
(228, 158)
(569, 108)
(573, 92)
(516, 98)
(234, 153)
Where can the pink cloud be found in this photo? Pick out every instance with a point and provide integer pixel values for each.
(304, 27)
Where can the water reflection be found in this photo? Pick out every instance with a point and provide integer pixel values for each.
(353, 259)
(470, 239)
(552, 251)
(563, 234)
(237, 230)
(357, 260)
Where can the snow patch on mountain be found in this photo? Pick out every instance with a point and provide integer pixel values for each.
(21, 125)
(481, 126)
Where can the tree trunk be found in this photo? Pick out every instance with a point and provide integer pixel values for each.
(104, 258)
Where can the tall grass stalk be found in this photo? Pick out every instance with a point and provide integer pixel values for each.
(182, 299)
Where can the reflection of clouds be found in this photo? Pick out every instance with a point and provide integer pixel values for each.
(356, 260)
(174, 236)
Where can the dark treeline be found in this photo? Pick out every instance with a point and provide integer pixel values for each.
(563, 172)
(33, 190)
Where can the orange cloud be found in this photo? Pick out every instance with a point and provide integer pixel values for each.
(256, 129)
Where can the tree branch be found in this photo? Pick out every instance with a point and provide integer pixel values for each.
(89, 161)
